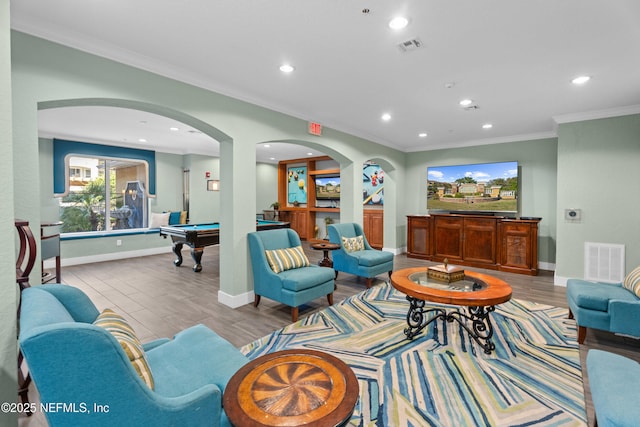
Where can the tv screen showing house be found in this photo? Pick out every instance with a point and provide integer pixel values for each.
(482, 187)
(328, 188)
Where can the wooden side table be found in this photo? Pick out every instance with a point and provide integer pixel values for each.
(24, 264)
(50, 248)
(325, 247)
(292, 388)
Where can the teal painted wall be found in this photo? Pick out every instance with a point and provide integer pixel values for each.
(8, 290)
(598, 173)
(537, 163)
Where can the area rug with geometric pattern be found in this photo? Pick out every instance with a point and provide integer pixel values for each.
(442, 377)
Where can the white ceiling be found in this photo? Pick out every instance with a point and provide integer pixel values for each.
(514, 59)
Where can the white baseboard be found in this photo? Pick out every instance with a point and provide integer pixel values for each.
(549, 266)
(235, 301)
(50, 263)
(395, 251)
(560, 280)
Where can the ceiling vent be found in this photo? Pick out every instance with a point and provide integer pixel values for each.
(410, 45)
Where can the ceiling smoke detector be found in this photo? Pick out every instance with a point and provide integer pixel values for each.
(410, 45)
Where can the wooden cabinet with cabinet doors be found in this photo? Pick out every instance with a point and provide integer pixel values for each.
(373, 226)
(467, 239)
(419, 236)
(490, 242)
(518, 246)
(299, 222)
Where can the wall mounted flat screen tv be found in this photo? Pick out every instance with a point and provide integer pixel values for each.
(328, 188)
(483, 187)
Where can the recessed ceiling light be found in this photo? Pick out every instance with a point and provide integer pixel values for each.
(398, 23)
(487, 126)
(287, 68)
(174, 129)
(272, 158)
(266, 145)
(386, 117)
(580, 80)
(142, 140)
(422, 135)
(309, 154)
(466, 102)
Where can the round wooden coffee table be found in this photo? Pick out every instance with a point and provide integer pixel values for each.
(292, 388)
(480, 293)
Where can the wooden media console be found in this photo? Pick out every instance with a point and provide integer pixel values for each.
(491, 242)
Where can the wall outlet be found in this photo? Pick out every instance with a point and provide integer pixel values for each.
(118, 242)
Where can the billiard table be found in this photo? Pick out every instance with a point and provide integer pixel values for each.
(197, 236)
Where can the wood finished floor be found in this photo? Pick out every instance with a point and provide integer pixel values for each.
(160, 300)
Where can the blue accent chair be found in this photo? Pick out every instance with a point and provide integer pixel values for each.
(614, 381)
(75, 362)
(291, 287)
(367, 263)
(605, 306)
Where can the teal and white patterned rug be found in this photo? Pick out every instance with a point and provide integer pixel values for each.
(442, 377)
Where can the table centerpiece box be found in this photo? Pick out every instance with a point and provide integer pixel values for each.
(445, 273)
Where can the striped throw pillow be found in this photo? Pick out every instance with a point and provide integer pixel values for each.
(126, 337)
(286, 259)
(353, 244)
(632, 281)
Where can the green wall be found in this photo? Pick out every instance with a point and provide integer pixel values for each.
(8, 290)
(47, 75)
(591, 165)
(204, 206)
(537, 163)
(266, 186)
(599, 173)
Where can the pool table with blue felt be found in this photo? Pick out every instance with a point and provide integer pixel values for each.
(197, 236)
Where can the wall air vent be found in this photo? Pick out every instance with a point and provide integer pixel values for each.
(604, 262)
(410, 45)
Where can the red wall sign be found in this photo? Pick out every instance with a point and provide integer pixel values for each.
(315, 128)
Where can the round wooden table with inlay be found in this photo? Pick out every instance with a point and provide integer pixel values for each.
(292, 388)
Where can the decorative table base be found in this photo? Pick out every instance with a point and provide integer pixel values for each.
(481, 329)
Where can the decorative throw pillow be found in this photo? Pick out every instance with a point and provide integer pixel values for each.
(632, 281)
(353, 244)
(286, 259)
(174, 218)
(159, 220)
(126, 337)
(183, 217)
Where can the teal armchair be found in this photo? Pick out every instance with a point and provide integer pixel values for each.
(292, 286)
(75, 362)
(611, 307)
(365, 262)
(614, 381)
